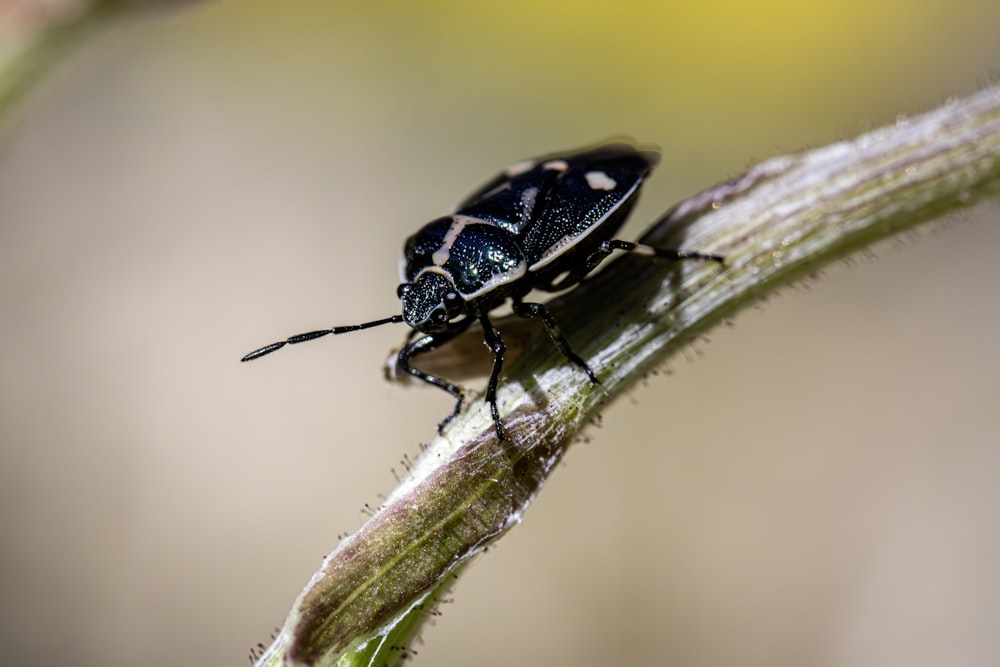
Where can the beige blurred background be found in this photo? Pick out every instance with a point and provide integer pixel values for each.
(821, 487)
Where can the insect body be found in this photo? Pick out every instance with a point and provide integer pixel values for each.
(541, 224)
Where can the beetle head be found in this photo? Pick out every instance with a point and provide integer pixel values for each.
(430, 302)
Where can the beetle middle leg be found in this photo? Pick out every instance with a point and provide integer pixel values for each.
(425, 344)
(540, 312)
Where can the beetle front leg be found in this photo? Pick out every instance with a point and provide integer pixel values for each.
(424, 344)
(540, 312)
(498, 348)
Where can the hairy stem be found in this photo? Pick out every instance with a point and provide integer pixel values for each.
(782, 220)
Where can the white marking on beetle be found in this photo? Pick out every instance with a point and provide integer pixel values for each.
(519, 168)
(556, 249)
(598, 180)
(528, 198)
(458, 223)
(510, 275)
(441, 271)
(556, 165)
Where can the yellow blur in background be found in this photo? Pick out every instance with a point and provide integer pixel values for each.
(820, 488)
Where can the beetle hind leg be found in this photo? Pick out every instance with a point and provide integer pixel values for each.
(540, 312)
(608, 247)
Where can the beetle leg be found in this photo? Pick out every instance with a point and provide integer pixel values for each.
(608, 247)
(496, 345)
(424, 344)
(540, 312)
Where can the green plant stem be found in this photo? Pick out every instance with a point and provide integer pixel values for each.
(782, 220)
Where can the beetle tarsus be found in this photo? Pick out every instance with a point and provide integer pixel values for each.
(607, 247)
(454, 413)
(668, 253)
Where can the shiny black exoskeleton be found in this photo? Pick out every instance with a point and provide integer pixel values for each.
(541, 224)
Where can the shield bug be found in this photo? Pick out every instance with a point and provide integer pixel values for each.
(541, 224)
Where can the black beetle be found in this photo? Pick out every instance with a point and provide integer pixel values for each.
(541, 224)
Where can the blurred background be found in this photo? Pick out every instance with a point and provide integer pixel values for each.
(819, 488)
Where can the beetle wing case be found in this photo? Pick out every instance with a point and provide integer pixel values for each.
(540, 224)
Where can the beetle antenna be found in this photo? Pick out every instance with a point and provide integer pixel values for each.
(312, 335)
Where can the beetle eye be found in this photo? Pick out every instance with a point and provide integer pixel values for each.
(403, 289)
